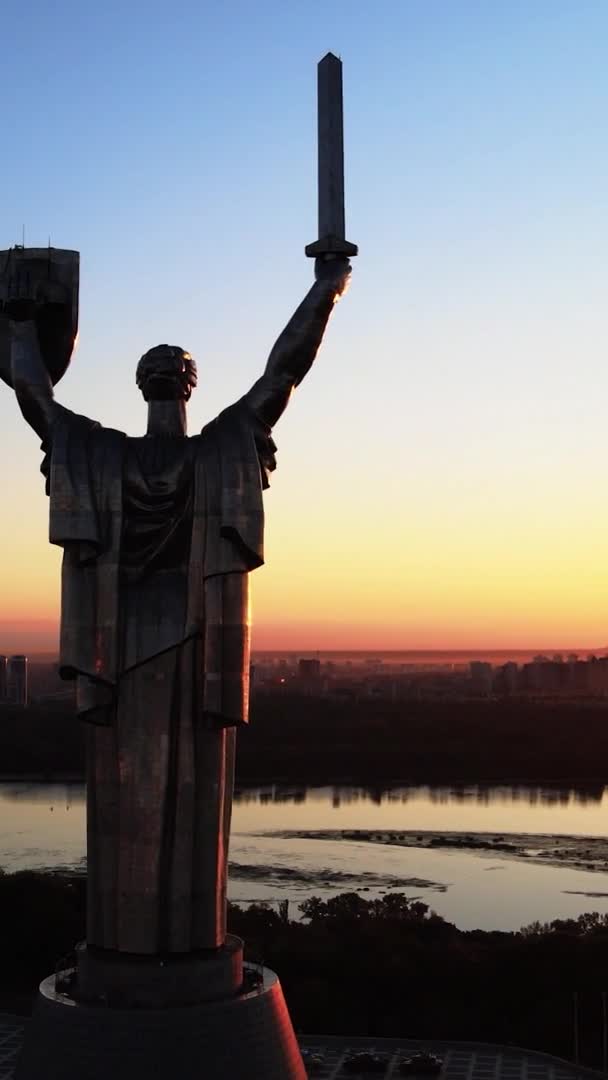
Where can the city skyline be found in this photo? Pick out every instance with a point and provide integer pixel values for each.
(440, 471)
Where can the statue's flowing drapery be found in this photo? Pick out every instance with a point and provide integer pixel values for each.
(159, 535)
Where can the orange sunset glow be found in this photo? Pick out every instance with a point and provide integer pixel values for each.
(441, 478)
(494, 580)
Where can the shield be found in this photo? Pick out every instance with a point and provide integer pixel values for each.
(49, 277)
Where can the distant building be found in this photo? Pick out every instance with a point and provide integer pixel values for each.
(598, 676)
(554, 677)
(579, 677)
(309, 671)
(538, 675)
(481, 678)
(3, 678)
(510, 674)
(17, 680)
(309, 677)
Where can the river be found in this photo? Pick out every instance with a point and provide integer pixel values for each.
(43, 826)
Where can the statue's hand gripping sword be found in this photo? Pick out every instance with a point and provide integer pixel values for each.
(332, 239)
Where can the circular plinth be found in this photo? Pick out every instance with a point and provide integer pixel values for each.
(125, 980)
(243, 1037)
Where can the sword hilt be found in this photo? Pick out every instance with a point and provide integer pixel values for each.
(331, 245)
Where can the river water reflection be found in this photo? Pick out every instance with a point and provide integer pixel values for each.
(43, 825)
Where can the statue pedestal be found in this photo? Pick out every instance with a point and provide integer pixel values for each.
(129, 981)
(244, 1036)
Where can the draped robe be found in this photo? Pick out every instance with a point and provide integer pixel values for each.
(159, 535)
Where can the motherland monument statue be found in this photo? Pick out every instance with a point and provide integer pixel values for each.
(159, 535)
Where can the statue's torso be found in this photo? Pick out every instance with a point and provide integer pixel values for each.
(159, 535)
(158, 498)
(158, 504)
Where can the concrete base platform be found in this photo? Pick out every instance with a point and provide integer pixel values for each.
(243, 1037)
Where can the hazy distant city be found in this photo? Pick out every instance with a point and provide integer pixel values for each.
(358, 676)
(432, 676)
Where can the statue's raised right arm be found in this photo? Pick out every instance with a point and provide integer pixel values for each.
(27, 372)
(294, 352)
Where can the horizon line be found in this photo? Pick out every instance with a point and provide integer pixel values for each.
(400, 651)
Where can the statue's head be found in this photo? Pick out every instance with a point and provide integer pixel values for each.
(166, 373)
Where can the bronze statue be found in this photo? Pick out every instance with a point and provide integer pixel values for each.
(159, 534)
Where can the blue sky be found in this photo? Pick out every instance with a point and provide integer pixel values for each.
(459, 400)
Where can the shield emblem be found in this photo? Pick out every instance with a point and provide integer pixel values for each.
(50, 277)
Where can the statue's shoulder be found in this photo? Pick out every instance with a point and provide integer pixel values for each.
(229, 420)
(237, 434)
(79, 422)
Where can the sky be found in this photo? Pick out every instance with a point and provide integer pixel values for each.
(441, 476)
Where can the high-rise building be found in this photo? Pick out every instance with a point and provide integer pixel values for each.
(481, 678)
(309, 677)
(510, 673)
(309, 670)
(17, 680)
(3, 677)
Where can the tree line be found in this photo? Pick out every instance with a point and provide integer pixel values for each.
(308, 741)
(378, 967)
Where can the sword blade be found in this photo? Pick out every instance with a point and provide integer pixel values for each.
(330, 129)
(330, 147)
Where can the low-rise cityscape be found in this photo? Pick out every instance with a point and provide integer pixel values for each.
(363, 676)
(14, 680)
(565, 677)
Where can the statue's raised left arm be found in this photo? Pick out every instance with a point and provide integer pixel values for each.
(294, 352)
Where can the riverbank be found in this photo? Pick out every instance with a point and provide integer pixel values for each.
(547, 849)
(314, 741)
(588, 853)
